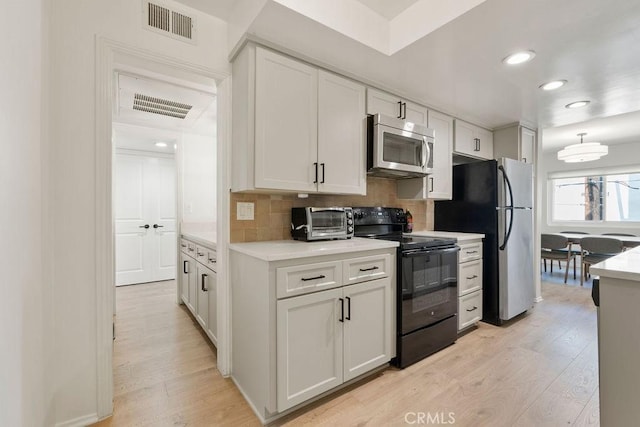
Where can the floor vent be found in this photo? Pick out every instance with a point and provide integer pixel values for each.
(151, 104)
(169, 22)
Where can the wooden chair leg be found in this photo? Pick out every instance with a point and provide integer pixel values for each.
(545, 265)
(581, 272)
(566, 272)
(574, 268)
(559, 265)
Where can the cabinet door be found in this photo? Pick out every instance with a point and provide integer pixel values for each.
(527, 144)
(202, 298)
(186, 264)
(485, 143)
(383, 103)
(367, 326)
(309, 346)
(286, 144)
(464, 138)
(212, 324)
(441, 179)
(341, 137)
(415, 113)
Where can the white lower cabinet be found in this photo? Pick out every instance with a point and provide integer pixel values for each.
(469, 284)
(198, 285)
(329, 337)
(302, 327)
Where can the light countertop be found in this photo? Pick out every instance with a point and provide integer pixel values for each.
(279, 250)
(460, 237)
(204, 238)
(624, 266)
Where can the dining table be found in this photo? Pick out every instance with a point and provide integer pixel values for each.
(627, 241)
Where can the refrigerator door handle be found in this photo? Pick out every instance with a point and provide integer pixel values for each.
(508, 209)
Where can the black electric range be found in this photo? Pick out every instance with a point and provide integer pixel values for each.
(427, 284)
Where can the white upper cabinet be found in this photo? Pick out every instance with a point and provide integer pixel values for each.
(341, 135)
(515, 142)
(286, 140)
(390, 105)
(471, 140)
(295, 128)
(438, 184)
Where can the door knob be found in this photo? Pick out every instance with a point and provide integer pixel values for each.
(157, 226)
(144, 226)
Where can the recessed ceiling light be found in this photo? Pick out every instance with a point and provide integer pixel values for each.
(161, 144)
(553, 85)
(577, 104)
(519, 57)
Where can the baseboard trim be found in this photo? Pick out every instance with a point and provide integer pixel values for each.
(82, 421)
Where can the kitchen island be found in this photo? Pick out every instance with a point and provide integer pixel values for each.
(618, 338)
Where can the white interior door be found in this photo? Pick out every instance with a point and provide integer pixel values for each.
(145, 219)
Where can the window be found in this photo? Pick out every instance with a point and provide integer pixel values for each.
(597, 197)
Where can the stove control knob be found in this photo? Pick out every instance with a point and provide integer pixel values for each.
(350, 229)
(349, 214)
(349, 221)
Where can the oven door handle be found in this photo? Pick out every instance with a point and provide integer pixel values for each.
(326, 209)
(422, 252)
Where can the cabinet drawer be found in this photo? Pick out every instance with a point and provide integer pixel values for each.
(470, 251)
(358, 270)
(184, 244)
(469, 309)
(212, 260)
(469, 277)
(201, 254)
(302, 279)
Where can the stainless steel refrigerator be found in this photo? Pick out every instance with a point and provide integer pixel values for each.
(495, 197)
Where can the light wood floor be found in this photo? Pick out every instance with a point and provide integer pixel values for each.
(540, 370)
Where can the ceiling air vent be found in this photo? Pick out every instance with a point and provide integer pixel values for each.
(151, 104)
(169, 22)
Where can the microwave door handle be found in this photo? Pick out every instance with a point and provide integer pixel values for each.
(425, 152)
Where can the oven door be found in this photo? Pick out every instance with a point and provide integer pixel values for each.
(402, 151)
(327, 222)
(429, 282)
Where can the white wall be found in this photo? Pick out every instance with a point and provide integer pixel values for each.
(24, 321)
(75, 25)
(199, 180)
(619, 155)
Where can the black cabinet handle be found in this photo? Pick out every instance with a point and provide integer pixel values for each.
(158, 226)
(144, 226)
(341, 319)
(404, 115)
(200, 253)
(348, 308)
(183, 245)
(400, 106)
(472, 277)
(472, 309)
(431, 184)
(306, 279)
(524, 159)
(322, 182)
(315, 164)
(203, 276)
(184, 267)
(472, 252)
(370, 269)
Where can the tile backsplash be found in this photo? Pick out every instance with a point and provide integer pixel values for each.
(272, 213)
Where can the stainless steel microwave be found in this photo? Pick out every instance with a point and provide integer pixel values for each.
(321, 223)
(397, 148)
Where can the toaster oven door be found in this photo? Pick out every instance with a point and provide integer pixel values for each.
(327, 222)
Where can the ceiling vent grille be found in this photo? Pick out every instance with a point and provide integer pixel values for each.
(165, 107)
(169, 22)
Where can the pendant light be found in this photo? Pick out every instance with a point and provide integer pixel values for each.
(583, 152)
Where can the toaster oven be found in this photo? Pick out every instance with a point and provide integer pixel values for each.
(312, 223)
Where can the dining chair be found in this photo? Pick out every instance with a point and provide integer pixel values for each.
(554, 247)
(595, 250)
(574, 247)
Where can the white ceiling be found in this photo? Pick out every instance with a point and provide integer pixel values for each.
(594, 44)
(388, 9)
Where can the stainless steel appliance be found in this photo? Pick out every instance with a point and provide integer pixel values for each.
(496, 198)
(427, 286)
(311, 223)
(397, 148)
